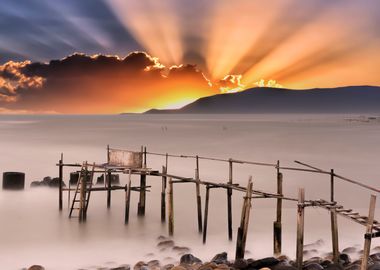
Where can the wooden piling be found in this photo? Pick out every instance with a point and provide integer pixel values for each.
(334, 221)
(109, 188)
(206, 214)
(142, 198)
(170, 208)
(243, 229)
(60, 176)
(229, 201)
(163, 195)
(128, 188)
(300, 228)
(277, 225)
(368, 237)
(198, 194)
(82, 195)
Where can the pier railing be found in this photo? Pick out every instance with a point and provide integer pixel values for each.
(135, 163)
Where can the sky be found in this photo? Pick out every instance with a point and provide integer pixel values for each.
(111, 56)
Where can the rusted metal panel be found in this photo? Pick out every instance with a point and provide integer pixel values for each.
(124, 158)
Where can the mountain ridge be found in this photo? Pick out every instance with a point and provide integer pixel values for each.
(349, 99)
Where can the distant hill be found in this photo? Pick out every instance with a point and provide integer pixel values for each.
(352, 99)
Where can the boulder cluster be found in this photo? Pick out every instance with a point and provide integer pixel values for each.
(47, 182)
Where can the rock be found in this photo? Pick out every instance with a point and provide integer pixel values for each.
(161, 238)
(189, 259)
(122, 267)
(350, 250)
(374, 266)
(165, 244)
(266, 262)
(284, 267)
(13, 180)
(334, 266)
(222, 267)
(36, 267)
(153, 263)
(344, 259)
(181, 249)
(240, 264)
(100, 180)
(353, 267)
(178, 267)
(115, 180)
(74, 178)
(220, 258)
(375, 257)
(168, 267)
(325, 263)
(139, 265)
(208, 266)
(317, 260)
(55, 182)
(35, 184)
(313, 266)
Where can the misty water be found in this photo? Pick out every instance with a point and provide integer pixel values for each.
(33, 231)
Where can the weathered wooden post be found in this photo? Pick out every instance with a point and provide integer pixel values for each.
(142, 198)
(229, 200)
(109, 175)
(170, 208)
(334, 221)
(82, 200)
(198, 193)
(206, 214)
(128, 188)
(60, 176)
(277, 227)
(163, 193)
(368, 235)
(243, 229)
(300, 227)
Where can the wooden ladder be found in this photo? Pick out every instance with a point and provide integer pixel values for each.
(83, 191)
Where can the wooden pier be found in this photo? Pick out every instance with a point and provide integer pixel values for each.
(121, 161)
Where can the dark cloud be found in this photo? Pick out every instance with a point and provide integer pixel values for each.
(93, 82)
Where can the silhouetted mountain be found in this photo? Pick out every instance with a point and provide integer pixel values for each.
(353, 99)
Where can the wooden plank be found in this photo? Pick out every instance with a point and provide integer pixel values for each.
(277, 226)
(142, 197)
(108, 189)
(334, 235)
(367, 241)
(300, 228)
(170, 208)
(206, 214)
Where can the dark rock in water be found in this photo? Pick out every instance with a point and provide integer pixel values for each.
(352, 267)
(317, 260)
(344, 259)
(325, 263)
(375, 257)
(35, 184)
(350, 250)
(179, 267)
(13, 180)
(139, 265)
(55, 182)
(220, 258)
(374, 266)
(153, 263)
(313, 266)
(181, 249)
(208, 266)
(266, 262)
(189, 259)
(281, 266)
(36, 267)
(161, 238)
(334, 266)
(45, 181)
(240, 264)
(167, 267)
(122, 267)
(115, 180)
(165, 244)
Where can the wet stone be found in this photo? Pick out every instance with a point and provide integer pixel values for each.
(220, 258)
(189, 259)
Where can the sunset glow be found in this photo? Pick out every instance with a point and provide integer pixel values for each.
(188, 51)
